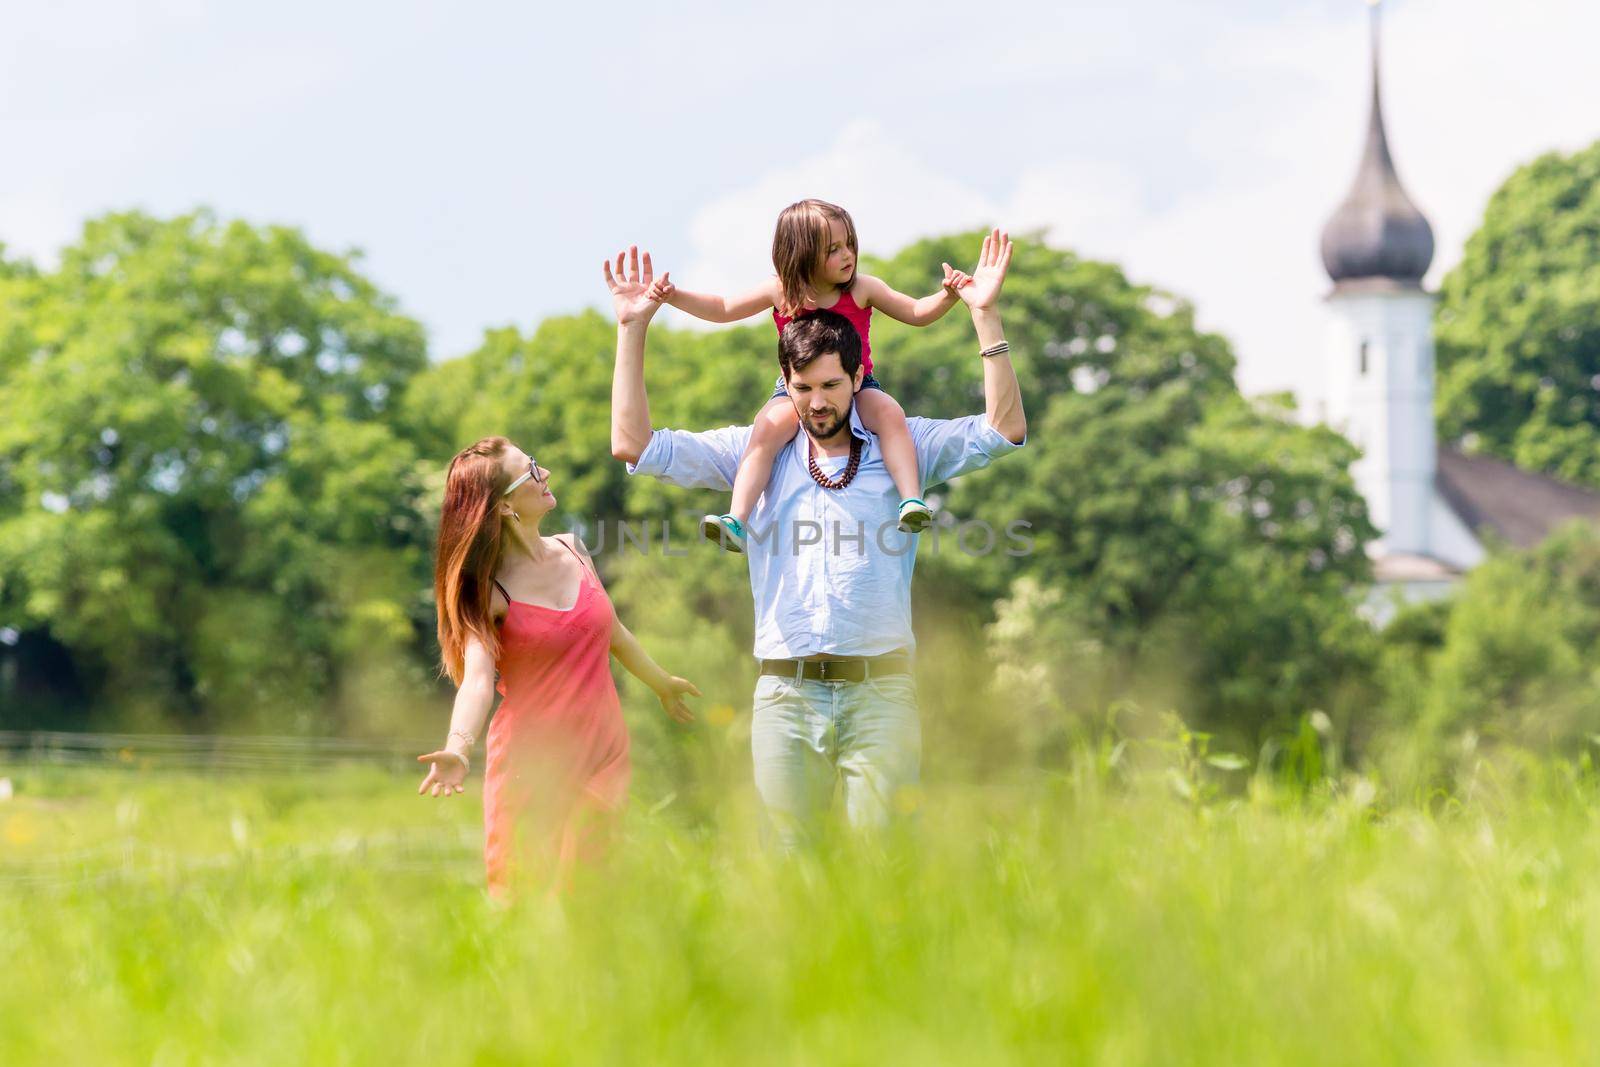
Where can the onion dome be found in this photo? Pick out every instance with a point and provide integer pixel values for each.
(1377, 237)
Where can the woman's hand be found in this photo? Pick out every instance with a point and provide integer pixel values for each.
(671, 695)
(630, 288)
(448, 771)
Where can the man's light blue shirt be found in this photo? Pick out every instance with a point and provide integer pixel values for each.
(829, 571)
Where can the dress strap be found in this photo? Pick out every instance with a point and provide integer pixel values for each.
(502, 589)
(581, 561)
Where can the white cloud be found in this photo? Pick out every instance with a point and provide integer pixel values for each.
(1202, 145)
(1472, 89)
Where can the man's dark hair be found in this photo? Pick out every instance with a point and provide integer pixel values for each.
(815, 335)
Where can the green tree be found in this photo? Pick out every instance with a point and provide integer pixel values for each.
(1518, 330)
(550, 391)
(203, 493)
(1507, 663)
(1202, 540)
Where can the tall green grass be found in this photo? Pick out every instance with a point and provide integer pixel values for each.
(333, 917)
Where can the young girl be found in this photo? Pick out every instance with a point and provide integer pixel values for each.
(814, 253)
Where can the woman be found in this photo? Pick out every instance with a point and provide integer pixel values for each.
(532, 607)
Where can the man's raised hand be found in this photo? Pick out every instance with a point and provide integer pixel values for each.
(631, 288)
(990, 273)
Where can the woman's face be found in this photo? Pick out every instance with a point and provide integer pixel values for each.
(532, 497)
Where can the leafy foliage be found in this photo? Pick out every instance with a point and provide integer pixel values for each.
(1519, 322)
(218, 495)
(204, 493)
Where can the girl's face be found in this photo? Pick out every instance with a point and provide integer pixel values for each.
(838, 261)
(532, 498)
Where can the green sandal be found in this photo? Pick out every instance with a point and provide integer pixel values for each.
(725, 530)
(915, 515)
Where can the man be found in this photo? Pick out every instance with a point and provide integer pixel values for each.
(830, 575)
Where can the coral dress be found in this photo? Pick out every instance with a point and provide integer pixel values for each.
(860, 318)
(557, 769)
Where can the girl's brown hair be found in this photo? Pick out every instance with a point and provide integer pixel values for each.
(800, 244)
(470, 531)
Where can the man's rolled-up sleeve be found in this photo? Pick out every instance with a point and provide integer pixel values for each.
(948, 448)
(705, 460)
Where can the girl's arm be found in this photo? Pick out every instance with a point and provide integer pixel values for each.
(909, 310)
(714, 308)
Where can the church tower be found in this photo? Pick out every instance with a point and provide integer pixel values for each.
(1376, 248)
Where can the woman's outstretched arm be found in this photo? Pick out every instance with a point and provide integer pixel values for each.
(474, 697)
(668, 688)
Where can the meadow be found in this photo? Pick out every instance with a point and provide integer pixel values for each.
(325, 914)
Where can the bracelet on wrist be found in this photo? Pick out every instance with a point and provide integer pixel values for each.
(999, 348)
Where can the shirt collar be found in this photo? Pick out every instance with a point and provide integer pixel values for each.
(855, 423)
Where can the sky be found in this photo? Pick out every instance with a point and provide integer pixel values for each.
(485, 158)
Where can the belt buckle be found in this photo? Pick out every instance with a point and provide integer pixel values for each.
(844, 671)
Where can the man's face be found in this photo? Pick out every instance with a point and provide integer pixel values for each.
(822, 394)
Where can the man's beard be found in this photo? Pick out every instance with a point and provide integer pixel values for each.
(830, 429)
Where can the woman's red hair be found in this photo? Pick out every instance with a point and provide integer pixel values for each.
(470, 530)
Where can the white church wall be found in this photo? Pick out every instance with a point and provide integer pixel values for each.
(1380, 395)
(1385, 599)
(1453, 543)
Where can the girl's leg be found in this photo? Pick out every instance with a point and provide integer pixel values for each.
(774, 427)
(882, 414)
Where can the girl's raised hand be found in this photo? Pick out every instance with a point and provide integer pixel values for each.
(630, 288)
(954, 279)
(990, 274)
(661, 292)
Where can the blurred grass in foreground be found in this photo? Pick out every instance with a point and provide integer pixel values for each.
(334, 917)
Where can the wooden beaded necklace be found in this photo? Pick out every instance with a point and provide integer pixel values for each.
(845, 476)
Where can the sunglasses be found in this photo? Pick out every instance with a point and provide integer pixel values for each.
(531, 472)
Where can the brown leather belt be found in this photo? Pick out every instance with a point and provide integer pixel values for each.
(843, 669)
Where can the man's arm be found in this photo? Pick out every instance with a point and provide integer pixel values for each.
(950, 447)
(630, 405)
(635, 307)
(707, 460)
(1002, 396)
